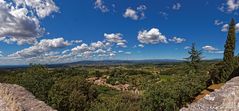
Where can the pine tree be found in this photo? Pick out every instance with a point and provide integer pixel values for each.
(195, 56)
(228, 58)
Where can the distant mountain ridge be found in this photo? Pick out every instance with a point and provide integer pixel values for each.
(105, 62)
(115, 62)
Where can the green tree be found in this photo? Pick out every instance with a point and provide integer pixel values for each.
(223, 71)
(72, 94)
(228, 58)
(195, 57)
(230, 43)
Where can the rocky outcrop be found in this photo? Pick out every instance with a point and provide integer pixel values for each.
(223, 99)
(17, 98)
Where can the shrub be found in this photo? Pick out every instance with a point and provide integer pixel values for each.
(72, 94)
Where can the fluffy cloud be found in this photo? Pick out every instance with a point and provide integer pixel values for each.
(100, 48)
(116, 38)
(152, 36)
(43, 47)
(97, 44)
(42, 8)
(135, 14)
(211, 49)
(83, 49)
(177, 6)
(177, 40)
(17, 26)
(100, 5)
(20, 19)
(232, 5)
(229, 6)
(130, 13)
(51, 50)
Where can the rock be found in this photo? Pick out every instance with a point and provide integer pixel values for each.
(3, 105)
(223, 99)
(17, 98)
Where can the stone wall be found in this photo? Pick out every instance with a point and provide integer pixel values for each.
(223, 99)
(17, 98)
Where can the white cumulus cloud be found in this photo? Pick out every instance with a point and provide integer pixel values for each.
(43, 47)
(20, 19)
(232, 5)
(153, 36)
(42, 8)
(135, 14)
(130, 13)
(116, 38)
(211, 49)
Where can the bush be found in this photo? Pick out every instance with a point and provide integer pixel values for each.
(119, 102)
(174, 94)
(72, 94)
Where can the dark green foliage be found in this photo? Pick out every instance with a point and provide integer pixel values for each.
(230, 43)
(229, 53)
(166, 96)
(236, 68)
(67, 89)
(117, 102)
(195, 57)
(36, 79)
(222, 71)
(72, 94)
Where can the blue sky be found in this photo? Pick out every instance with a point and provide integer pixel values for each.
(54, 31)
